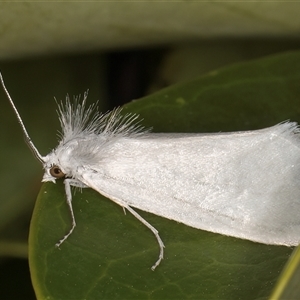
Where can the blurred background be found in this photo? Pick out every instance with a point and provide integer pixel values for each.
(119, 51)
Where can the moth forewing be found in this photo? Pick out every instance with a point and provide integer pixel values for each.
(240, 184)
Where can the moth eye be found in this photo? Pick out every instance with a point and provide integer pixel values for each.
(55, 171)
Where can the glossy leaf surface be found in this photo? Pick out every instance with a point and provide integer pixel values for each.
(109, 255)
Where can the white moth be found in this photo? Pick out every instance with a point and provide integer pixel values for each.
(240, 184)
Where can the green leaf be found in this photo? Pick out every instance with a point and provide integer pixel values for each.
(288, 283)
(109, 254)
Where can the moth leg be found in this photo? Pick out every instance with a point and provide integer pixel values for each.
(68, 183)
(155, 232)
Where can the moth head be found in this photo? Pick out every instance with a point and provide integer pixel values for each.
(52, 172)
(53, 168)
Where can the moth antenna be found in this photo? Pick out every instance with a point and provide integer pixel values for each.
(27, 137)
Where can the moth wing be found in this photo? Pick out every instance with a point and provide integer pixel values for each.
(243, 185)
